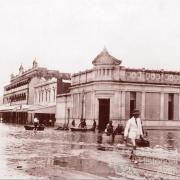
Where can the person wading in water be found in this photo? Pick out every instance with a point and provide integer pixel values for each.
(133, 131)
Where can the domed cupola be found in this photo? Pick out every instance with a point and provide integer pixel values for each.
(105, 59)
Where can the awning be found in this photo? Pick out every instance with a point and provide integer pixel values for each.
(46, 110)
(35, 107)
(23, 108)
(29, 108)
(7, 108)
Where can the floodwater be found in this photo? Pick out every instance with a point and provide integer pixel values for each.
(52, 154)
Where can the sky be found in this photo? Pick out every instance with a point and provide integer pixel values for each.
(66, 35)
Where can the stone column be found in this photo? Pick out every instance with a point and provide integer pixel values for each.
(55, 91)
(49, 95)
(72, 106)
(84, 105)
(176, 106)
(93, 105)
(79, 105)
(179, 107)
(39, 96)
(36, 96)
(110, 74)
(143, 105)
(161, 106)
(123, 95)
(120, 100)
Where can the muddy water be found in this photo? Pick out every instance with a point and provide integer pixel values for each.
(52, 154)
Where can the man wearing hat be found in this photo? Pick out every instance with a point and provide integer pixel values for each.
(133, 131)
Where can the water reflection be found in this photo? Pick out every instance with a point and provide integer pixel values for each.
(3, 144)
(99, 138)
(47, 153)
(85, 165)
(170, 140)
(167, 139)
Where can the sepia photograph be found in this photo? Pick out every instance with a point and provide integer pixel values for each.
(90, 89)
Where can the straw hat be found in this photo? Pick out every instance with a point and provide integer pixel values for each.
(136, 112)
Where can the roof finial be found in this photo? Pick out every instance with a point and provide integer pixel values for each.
(21, 69)
(35, 64)
(105, 50)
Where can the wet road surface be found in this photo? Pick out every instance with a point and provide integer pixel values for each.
(52, 154)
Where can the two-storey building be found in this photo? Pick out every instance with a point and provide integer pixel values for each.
(45, 98)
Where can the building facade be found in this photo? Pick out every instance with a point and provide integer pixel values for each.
(110, 91)
(45, 98)
(21, 97)
(45, 92)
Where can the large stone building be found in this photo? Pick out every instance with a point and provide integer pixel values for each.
(31, 92)
(110, 91)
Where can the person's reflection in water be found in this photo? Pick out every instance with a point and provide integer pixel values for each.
(99, 138)
(170, 140)
(73, 140)
(82, 139)
(99, 141)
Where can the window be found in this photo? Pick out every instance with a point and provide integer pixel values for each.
(170, 106)
(42, 96)
(103, 72)
(132, 102)
(46, 95)
(108, 72)
(39, 96)
(54, 93)
(36, 96)
(49, 95)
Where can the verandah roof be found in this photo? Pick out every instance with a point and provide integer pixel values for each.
(29, 108)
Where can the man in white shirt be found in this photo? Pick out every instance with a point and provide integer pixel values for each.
(36, 123)
(133, 130)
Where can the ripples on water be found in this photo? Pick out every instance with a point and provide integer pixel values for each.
(48, 153)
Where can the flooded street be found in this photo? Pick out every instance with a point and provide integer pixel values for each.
(53, 154)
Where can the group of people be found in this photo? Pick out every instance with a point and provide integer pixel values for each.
(82, 124)
(132, 133)
(37, 123)
(111, 131)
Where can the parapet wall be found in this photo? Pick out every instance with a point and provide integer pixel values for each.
(122, 74)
